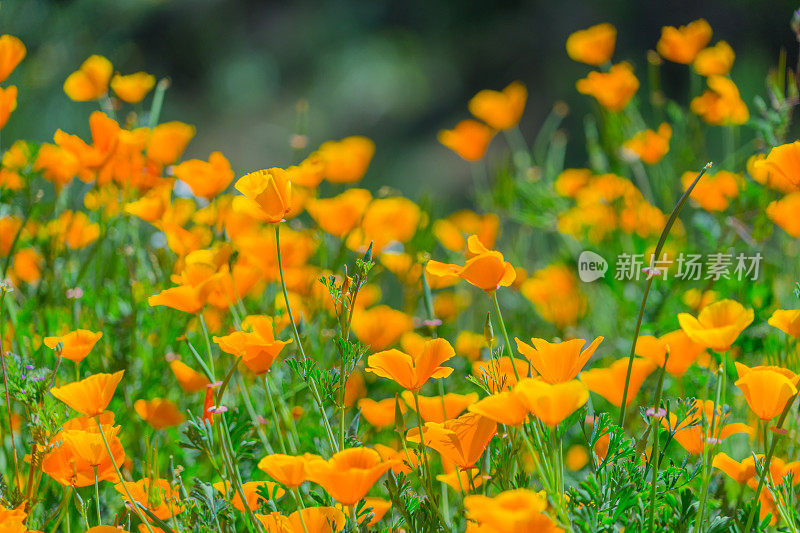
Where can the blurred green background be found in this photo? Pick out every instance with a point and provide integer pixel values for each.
(394, 71)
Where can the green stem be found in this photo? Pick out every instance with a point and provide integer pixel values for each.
(655, 424)
(673, 216)
(493, 296)
(97, 497)
(275, 419)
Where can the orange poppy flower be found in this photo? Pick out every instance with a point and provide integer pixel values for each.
(610, 382)
(694, 439)
(89, 396)
(411, 371)
(470, 344)
(316, 520)
(288, 470)
(783, 212)
(385, 221)
(786, 321)
(461, 440)
(76, 345)
(156, 494)
(767, 391)
(206, 179)
(8, 103)
(188, 379)
(269, 190)
(74, 229)
(460, 479)
(682, 45)
(349, 474)
(132, 88)
(487, 269)
(438, 408)
(594, 45)
(160, 413)
(354, 388)
(346, 161)
(309, 173)
(452, 231)
(505, 408)
(380, 326)
(714, 192)
(651, 146)
(499, 372)
(501, 110)
(613, 89)
(716, 60)
(251, 493)
(469, 139)
(512, 511)
(12, 52)
(781, 167)
(275, 522)
(258, 349)
(778, 470)
(576, 457)
(403, 461)
(720, 104)
(740, 472)
(551, 403)
(379, 413)
(340, 215)
(90, 81)
(682, 350)
(558, 362)
(718, 325)
(27, 265)
(378, 507)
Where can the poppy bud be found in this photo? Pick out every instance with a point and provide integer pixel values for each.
(488, 331)
(399, 420)
(368, 254)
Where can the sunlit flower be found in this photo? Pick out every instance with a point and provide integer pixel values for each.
(440, 408)
(721, 104)
(486, 269)
(609, 382)
(780, 168)
(718, 325)
(411, 371)
(594, 45)
(206, 179)
(460, 441)
(469, 139)
(381, 326)
(258, 349)
(505, 407)
(380, 413)
(714, 192)
(682, 350)
(651, 146)
(682, 44)
(739, 471)
(558, 362)
(89, 396)
(512, 511)
(349, 474)
(462, 480)
(341, 214)
(160, 413)
(386, 221)
(767, 391)
(787, 321)
(613, 89)
(90, 81)
(696, 430)
(76, 344)
(716, 60)
(132, 88)
(552, 403)
(157, 495)
(346, 161)
(168, 140)
(288, 470)
(501, 110)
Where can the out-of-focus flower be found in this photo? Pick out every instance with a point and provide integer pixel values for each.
(168, 140)
(251, 491)
(462, 480)
(613, 89)
(783, 212)
(159, 413)
(512, 511)
(258, 349)
(76, 345)
(440, 408)
(501, 110)
(340, 215)
(206, 179)
(682, 44)
(461, 441)
(555, 294)
(89, 396)
(576, 458)
(718, 325)
(90, 81)
(779, 169)
(132, 88)
(386, 221)
(347, 160)
(188, 379)
(740, 472)
(715, 60)
(486, 269)
(594, 45)
(787, 321)
(411, 371)
(349, 474)
(651, 146)
(27, 265)
(309, 172)
(695, 431)
(8, 103)
(609, 382)
(452, 232)
(380, 326)
(682, 350)
(12, 52)
(157, 495)
(552, 403)
(571, 181)
(469, 139)
(714, 192)
(721, 104)
(470, 344)
(558, 362)
(499, 372)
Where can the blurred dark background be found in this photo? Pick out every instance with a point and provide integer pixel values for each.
(394, 71)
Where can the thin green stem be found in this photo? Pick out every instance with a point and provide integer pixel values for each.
(493, 296)
(97, 497)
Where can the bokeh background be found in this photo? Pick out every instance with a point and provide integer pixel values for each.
(394, 71)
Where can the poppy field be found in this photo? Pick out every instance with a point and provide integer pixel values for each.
(611, 347)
